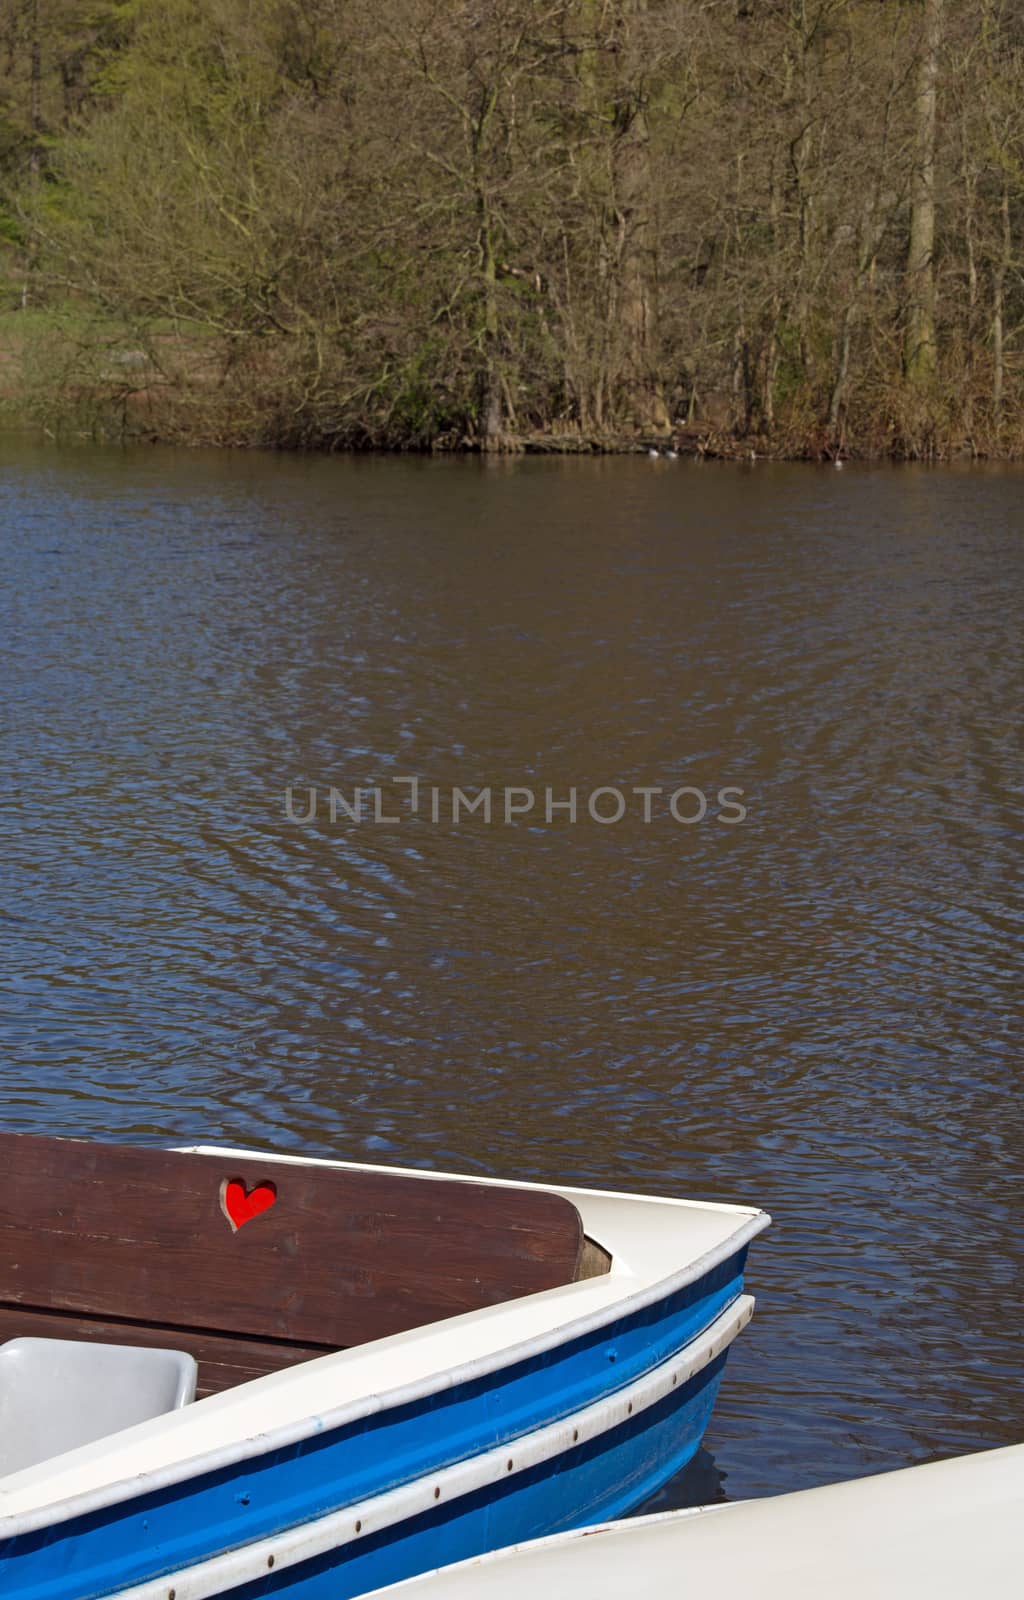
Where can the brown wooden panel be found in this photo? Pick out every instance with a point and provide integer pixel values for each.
(223, 1361)
(340, 1258)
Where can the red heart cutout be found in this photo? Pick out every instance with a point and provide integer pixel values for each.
(240, 1207)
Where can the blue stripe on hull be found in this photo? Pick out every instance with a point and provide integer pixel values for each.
(593, 1483)
(189, 1522)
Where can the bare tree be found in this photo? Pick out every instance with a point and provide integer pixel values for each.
(920, 352)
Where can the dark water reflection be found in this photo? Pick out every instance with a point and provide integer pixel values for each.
(818, 1010)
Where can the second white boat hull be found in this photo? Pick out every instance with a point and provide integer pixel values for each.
(935, 1532)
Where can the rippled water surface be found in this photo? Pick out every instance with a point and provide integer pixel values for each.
(817, 1009)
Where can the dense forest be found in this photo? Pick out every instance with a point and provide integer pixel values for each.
(787, 225)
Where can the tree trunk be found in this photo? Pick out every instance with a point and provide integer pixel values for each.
(920, 351)
(35, 159)
(634, 205)
(842, 372)
(872, 231)
(492, 409)
(998, 311)
(489, 377)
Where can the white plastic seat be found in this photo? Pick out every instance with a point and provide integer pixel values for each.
(57, 1394)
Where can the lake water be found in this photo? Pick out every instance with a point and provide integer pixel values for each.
(817, 1009)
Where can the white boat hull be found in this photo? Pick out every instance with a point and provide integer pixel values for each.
(936, 1532)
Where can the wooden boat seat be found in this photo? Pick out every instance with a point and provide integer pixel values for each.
(250, 1266)
(56, 1394)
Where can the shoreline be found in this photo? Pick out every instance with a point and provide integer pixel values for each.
(690, 444)
(45, 390)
